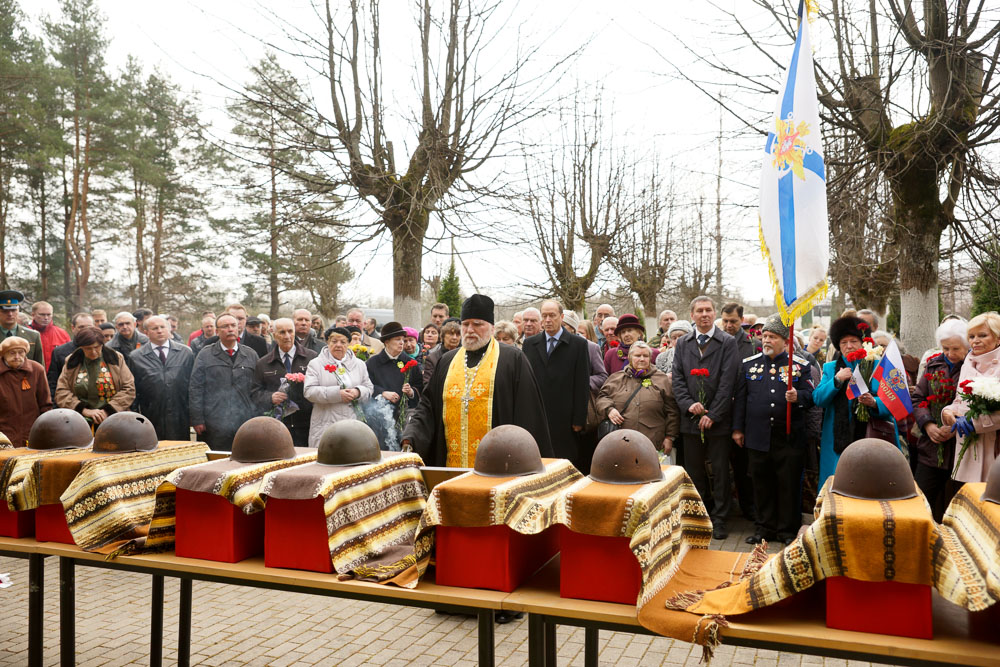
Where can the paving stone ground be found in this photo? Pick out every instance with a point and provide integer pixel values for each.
(245, 626)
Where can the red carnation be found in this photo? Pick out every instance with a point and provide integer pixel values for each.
(923, 404)
(612, 343)
(869, 339)
(863, 326)
(330, 368)
(408, 365)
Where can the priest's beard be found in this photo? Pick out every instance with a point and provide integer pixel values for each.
(472, 342)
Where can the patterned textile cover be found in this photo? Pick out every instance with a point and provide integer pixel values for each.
(239, 483)
(5, 442)
(972, 526)
(108, 498)
(663, 519)
(16, 462)
(372, 513)
(866, 540)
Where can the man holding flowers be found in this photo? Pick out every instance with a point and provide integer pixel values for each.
(278, 381)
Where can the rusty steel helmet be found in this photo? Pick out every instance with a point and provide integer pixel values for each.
(262, 439)
(348, 443)
(625, 456)
(125, 432)
(61, 428)
(508, 451)
(873, 469)
(992, 492)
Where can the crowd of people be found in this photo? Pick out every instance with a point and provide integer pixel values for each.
(710, 391)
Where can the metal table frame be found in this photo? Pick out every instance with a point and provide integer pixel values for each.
(36, 596)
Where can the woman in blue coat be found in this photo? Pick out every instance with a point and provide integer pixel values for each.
(840, 425)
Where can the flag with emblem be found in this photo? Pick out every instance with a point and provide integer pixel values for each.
(856, 387)
(794, 229)
(892, 386)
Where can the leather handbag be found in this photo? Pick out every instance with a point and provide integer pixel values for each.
(607, 426)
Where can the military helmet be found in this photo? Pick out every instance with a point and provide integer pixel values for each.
(992, 492)
(60, 429)
(625, 456)
(873, 469)
(348, 442)
(125, 432)
(262, 439)
(508, 451)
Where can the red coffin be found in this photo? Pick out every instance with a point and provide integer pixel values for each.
(883, 607)
(492, 557)
(16, 524)
(295, 535)
(596, 567)
(50, 524)
(210, 527)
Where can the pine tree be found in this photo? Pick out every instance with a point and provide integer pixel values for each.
(448, 293)
(986, 290)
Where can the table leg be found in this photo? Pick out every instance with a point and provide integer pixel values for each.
(591, 638)
(67, 612)
(36, 593)
(156, 623)
(486, 638)
(549, 629)
(536, 640)
(184, 625)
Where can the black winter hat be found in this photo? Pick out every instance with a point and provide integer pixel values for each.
(848, 326)
(478, 307)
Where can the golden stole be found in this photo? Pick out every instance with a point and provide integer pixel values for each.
(468, 405)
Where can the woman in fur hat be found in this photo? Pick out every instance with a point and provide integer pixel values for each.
(840, 424)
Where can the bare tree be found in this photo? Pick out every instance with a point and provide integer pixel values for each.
(915, 87)
(468, 103)
(576, 199)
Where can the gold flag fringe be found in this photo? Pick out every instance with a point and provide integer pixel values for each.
(802, 305)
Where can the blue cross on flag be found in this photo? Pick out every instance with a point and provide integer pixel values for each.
(794, 229)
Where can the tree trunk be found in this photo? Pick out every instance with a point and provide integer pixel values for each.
(43, 272)
(407, 263)
(650, 313)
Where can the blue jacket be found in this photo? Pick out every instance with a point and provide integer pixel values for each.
(759, 403)
(823, 397)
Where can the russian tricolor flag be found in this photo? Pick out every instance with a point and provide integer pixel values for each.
(892, 386)
(857, 386)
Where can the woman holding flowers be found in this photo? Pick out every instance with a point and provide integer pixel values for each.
(396, 379)
(336, 382)
(652, 409)
(845, 419)
(974, 416)
(935, 391)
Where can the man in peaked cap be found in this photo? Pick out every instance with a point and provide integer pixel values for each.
(10, 306)
(479, 378)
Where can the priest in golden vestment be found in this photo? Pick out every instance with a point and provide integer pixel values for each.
(475, 387)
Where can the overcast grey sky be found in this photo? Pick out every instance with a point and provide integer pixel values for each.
(206, 46)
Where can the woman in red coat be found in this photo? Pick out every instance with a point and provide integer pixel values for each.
(24, 390)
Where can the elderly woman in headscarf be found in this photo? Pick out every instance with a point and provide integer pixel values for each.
(983, 362)
(935, 448)
(96, 381)
(668, 342)
(24, 390)
(841, 426)
(336, 383)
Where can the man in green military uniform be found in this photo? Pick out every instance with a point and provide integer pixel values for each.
(10, 304)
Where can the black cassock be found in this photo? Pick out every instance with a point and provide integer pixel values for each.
(516, 400)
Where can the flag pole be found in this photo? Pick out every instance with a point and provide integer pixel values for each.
(791, 368)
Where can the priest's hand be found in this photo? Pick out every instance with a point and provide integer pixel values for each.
(406, 446)
(577, 429)
(697, 409)
(278, 397)
(199, 429)
(408, 390)
(738, 438)
(616, 417)
(390, 396)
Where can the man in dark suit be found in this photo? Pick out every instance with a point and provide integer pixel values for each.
(732, 324)
(162, 370)
(287, 356)
(706, 403)
(561, 363)
(304, 334)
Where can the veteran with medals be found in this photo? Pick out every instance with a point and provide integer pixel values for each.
(474, 388)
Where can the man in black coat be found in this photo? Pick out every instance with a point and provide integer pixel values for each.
(304, 334)
(513, 397)
(219, 397)
(287, 356)
(391, 386)
(128, 339)
(561, 363)
(162, 370)
(732, 324)
(706, 404)
(61, 352)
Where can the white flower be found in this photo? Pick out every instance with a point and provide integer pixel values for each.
(988, 388)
